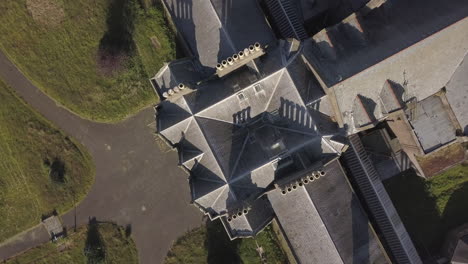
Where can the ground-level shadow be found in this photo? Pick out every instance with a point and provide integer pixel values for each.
(220, 248)
(94, 250)
(419, 202)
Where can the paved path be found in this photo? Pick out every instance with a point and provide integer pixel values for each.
(137, 179)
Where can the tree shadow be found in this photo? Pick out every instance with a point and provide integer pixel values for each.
(95, 250)
(117, 43)
(128, 230)
(455, 213)
(57, 170)
(220, 248)
(418, 211)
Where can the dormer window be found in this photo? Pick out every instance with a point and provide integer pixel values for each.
(241, 97)
(258, 88)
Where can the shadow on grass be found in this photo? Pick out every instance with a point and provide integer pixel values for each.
(117, 44)
(120, 26)
(455, 213)
(417, 208)
(218, 245)
(95, 250)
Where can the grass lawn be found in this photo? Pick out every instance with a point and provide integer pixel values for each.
(210, 244)
(41, 169)
(107, 239)
(431, 208)
(92, 56)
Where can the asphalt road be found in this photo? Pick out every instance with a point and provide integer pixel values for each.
(137, 178)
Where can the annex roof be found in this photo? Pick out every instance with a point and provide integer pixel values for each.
(324, 221)
(431, 123)
(215, 29)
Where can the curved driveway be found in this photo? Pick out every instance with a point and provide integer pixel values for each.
(137, 178)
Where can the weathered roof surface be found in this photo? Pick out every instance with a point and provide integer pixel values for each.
(364, 111)
(231, 131)
(216, 29)
(419, 67)
(306, 232)
(259, 215)
(244, 21)
(175, 72)
(460, 255)
(325, 223)
(391, 97)
(457, 94)
(432, 124)
(357, 44)
(335, 10)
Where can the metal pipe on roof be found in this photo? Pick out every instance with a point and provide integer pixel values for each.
(182, 86)
(230, 61)
(235, 57)
(224, 63)
(219, 67)
(241, 54)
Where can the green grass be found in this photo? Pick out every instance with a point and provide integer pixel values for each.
(29, 145)
(430, 208)
(118, 247)
(210, 244)
(62, 59)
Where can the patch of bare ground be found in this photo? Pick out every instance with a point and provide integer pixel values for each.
(111, 63)
(46, 12)
(442, 159)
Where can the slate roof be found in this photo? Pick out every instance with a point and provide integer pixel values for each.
(325, 223)
(176, 72)
(391, 97)
(460, 255)
(233, 134)
(215, 29)
(457, 94)
(390, 42)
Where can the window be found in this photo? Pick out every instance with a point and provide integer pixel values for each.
(258, 88)
(241, 96)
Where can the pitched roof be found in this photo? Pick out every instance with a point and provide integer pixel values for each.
(215, 29)
(325, 223)
(231, 136)
(391, 97)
